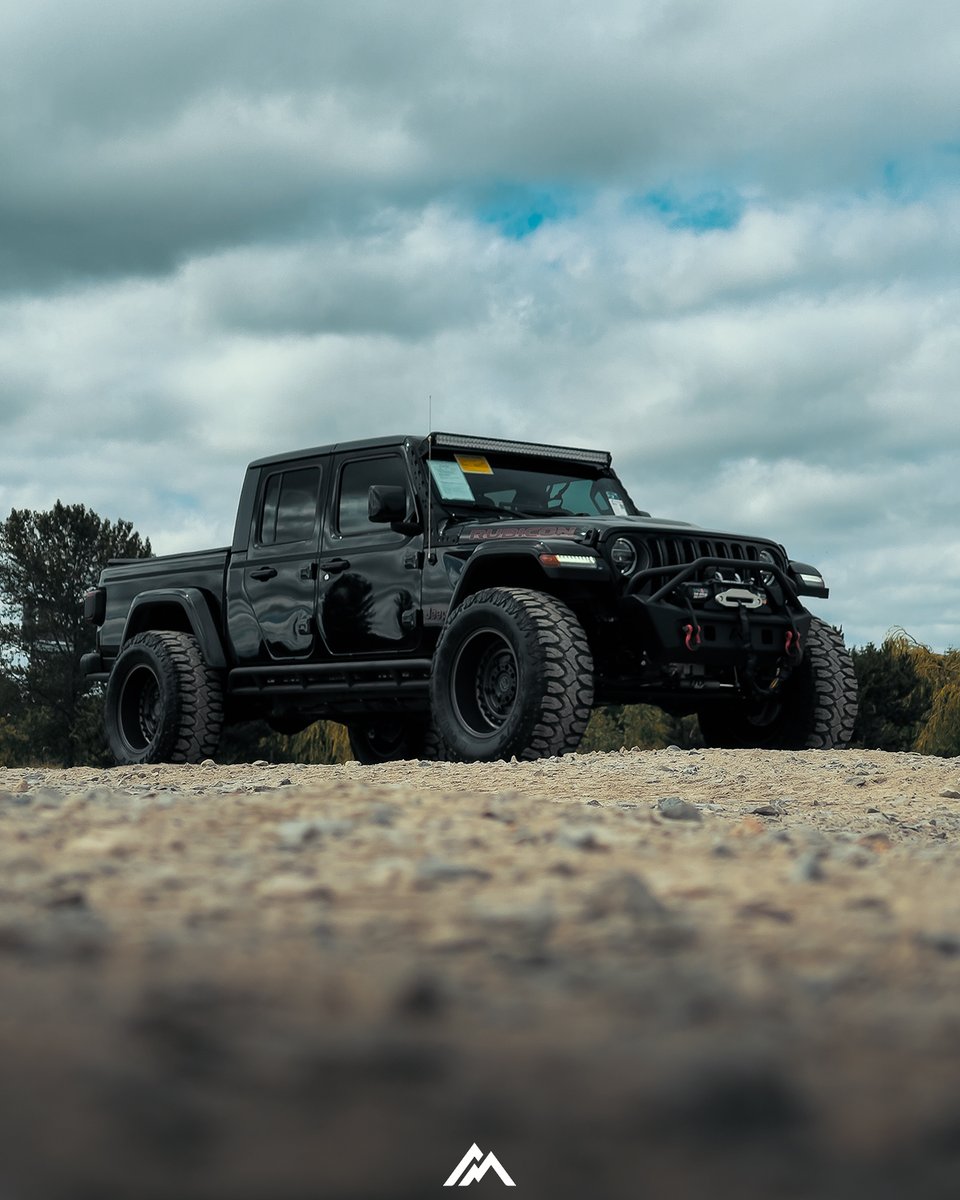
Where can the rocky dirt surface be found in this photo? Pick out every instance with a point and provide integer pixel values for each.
(647, 974)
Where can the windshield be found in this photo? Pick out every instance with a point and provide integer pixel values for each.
(511, 486)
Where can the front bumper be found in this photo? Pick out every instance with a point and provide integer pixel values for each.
(690, 617)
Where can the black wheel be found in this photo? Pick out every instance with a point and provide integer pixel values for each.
(387, 739)
(163, 703)
(816, 711)
(512, 675)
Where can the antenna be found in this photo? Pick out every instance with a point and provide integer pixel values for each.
(429, 550)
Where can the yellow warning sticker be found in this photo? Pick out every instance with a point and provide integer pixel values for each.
(473, 464)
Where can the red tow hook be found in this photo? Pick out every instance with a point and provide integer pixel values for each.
(792, 644)
(692, 637)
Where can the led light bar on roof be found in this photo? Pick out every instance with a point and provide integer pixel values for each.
(457, 441)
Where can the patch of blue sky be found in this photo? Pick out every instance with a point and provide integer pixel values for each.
(177, 501)
(716, 208)
(911, 177)
(518, 210)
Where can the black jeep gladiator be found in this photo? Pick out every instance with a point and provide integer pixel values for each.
(463, 598)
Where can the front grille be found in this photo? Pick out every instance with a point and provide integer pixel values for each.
(673, 551)
(662, 555)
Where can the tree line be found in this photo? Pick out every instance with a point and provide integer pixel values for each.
(909, 694)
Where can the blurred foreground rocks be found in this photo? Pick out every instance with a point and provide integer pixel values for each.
(641, 974)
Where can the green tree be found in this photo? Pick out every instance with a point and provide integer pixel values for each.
(47, 561)
(894, 697)
(642, 725)
(321, 742)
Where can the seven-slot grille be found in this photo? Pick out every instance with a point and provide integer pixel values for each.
(677, 551)
(672, 551)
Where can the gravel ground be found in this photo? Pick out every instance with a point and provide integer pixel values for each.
(647, 974)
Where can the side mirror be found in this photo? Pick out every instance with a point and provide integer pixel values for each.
(387, 505)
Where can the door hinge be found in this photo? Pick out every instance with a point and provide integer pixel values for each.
(413, 560)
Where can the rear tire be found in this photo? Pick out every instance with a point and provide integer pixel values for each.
(387, 739)
(512, 676)
(163, 703)
(393, 739)
(816, 712)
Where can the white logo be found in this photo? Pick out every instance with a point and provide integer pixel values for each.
(477, 1170)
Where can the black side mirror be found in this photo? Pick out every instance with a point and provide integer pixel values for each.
(387, 505)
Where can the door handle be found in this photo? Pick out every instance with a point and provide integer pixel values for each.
(335, 566)
(263, 573)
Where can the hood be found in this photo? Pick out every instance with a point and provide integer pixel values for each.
(579, 528)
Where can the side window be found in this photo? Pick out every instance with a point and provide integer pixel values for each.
(356, 479)
(289, 511)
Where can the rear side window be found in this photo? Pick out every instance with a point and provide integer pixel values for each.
(289, 510)
(356, 480)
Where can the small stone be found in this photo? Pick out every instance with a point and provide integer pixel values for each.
(295, 887)
(294, 834)
(775, 809)
(208, 762)
(584, 837)
(436, 870)
(106, 842)
(877, 842)
(947, 944)
(260, 762)
(809, 867)
(625, 893)
(676, 809)
(950, 794)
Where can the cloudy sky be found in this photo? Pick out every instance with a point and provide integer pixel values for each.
(721, 237)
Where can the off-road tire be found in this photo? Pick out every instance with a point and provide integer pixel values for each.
(816, 712)
(163, 703)
(392, 739)
(512, 676)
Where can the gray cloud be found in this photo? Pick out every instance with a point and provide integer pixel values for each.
(233, 228)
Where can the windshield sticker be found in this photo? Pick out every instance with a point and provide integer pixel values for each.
(618, 506)
(450, 480)
(474, 464)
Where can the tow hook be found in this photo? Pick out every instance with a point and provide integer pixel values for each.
(692, 638)
(791, 646)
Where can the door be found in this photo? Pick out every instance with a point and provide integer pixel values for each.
(369, 585)
(279, 574)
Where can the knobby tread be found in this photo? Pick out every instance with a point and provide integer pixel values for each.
(551, 639)
(819, 704)
(835, 688)
(193, 709)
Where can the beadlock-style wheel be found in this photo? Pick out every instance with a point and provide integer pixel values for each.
(512, 676)
(163, 702)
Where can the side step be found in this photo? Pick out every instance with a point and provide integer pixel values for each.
(357, 680)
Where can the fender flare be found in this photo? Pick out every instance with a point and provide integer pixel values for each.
(529, 553)
(192, 602)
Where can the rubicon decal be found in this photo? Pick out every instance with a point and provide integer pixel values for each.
(473, 1166)
(504, 532)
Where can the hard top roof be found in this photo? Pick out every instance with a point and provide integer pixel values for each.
(445, 441)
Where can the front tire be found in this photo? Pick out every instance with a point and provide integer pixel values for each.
(816, 712)
(512, 676)
(163, 703)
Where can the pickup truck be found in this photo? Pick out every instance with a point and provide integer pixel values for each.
(464, 598)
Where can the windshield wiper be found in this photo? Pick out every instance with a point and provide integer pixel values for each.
(496, 510)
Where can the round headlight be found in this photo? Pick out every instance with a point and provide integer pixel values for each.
(623, 553)
(768, 577)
